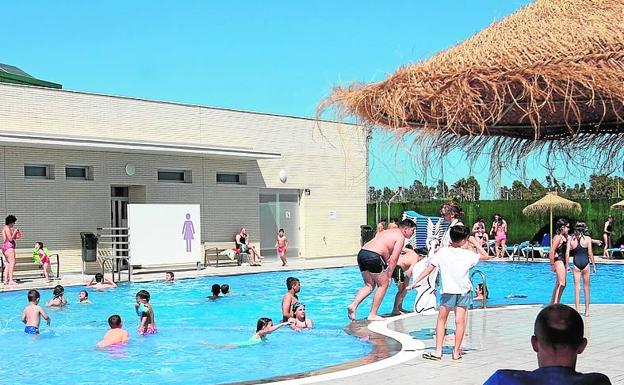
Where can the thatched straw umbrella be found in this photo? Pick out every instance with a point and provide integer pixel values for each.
(548, 77)
(619, 205)
(552, 203)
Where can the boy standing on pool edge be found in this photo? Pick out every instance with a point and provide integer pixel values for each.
(454, 262)
(377, 260)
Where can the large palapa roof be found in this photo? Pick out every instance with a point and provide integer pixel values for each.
(549, 76)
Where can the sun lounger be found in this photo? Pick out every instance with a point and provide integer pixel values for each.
(614, 251)
(517, 250)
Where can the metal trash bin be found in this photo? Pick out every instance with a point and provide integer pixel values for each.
(366, 234)
(89, 247)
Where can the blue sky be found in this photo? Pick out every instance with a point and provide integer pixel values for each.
(272, 56)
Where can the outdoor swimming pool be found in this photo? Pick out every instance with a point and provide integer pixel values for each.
(190, 327)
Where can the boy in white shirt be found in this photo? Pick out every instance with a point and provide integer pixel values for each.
(454, 262)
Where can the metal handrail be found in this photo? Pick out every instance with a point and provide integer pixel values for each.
(486, 292)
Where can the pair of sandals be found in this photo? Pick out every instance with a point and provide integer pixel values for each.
(433, 357)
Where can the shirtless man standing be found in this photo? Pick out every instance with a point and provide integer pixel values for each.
(377, 260)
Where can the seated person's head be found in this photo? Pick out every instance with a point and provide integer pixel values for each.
(558, 336)
(114, 321)
(225, 288)
(216, 289)
(99, 277)
(458, 233)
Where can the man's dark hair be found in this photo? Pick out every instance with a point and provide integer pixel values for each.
(33, 295)
(114, 321)
(216, 289)
(170, 273)
(559, 325)
(99, 277)
(458, 233)
(407, 223)
(290, 282)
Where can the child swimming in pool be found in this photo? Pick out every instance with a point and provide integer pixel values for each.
(299, 321)
(58, 299)
(116, 335)
(264, 327)
(83, 297)
(32, 313)
(145, 311)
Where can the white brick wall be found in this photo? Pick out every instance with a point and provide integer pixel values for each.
(329, 160)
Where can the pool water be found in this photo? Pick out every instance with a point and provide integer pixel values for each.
(192, 329)
(191, 333)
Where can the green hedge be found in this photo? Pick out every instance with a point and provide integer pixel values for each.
(521, 227)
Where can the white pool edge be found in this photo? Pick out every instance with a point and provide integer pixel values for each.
(410, 348)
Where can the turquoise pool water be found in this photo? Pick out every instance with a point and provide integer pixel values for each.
(191, 328)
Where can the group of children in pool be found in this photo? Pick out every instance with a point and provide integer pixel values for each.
(293, 311)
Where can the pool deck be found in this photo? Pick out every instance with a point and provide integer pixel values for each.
(270, 264)
(497, 337)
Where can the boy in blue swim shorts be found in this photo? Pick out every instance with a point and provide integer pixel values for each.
(454, 262)
(32, 313)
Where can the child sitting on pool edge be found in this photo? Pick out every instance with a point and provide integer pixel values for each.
(147, 324)
(116, 335)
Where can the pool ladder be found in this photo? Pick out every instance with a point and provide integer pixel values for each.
(485, 287)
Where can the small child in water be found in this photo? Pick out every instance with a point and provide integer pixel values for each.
(225, 289)
(147, 324)
(44, 260)
(32, 313)
(281, 245)
(299, 321)
(169, 276)
(264, 327)
(216, 290)
(58, 299)
(116, 335)
(83, 297)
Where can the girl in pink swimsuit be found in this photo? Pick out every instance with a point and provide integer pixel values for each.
(9, 235)
(499, 230)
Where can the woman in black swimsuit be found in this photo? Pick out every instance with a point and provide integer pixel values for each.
(606, 234)
(557, 258)
(580, 248)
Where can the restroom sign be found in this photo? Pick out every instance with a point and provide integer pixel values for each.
(287, 214)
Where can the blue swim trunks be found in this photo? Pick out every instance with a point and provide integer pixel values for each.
(31, 330)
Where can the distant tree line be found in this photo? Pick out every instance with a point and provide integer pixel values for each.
(601, 186)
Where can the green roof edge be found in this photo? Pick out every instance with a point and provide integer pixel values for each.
(6, 77)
